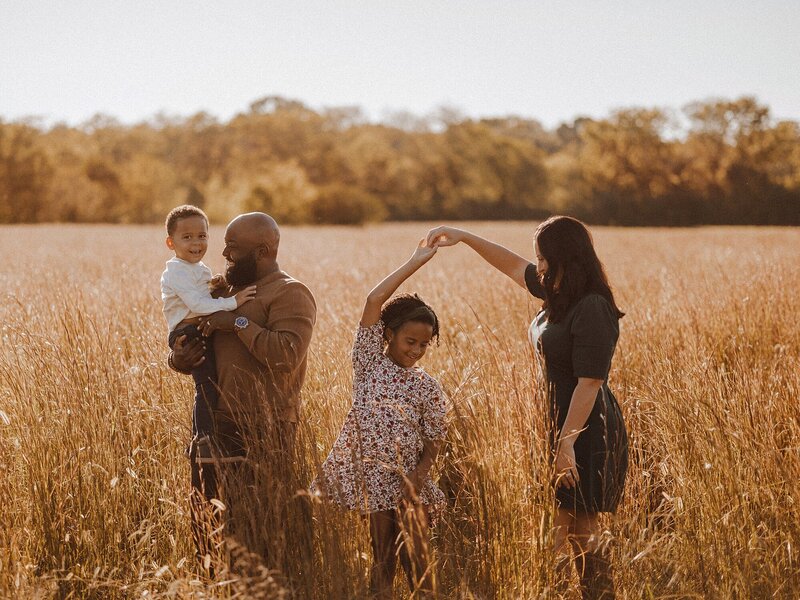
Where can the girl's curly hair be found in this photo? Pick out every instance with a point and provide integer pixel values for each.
(409, 307)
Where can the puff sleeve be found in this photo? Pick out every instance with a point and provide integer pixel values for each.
(532, 281)
(367, 346)
(434, 413)
(594, 331)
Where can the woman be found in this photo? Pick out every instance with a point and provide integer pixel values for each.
(574, 334)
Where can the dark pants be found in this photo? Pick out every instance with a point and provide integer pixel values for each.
(261, 510)
(205, 383)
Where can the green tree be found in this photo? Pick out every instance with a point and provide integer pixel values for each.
(742, 163)
(630, 169)
(345, 205)
(283, 191)
(493, 176)
(25, 174)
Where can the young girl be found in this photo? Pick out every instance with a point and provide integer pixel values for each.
(380, 463)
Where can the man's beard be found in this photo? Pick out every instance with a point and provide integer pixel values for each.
(242, 272)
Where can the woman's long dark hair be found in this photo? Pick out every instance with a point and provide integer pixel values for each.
(566, 244)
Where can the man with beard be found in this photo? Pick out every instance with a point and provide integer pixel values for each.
(261, 352)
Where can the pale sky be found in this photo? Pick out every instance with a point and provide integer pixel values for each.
(550, 60)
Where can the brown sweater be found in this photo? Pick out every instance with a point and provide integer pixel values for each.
(266, 362)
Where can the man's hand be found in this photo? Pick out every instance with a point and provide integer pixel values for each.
(188, 355)
(218, 321)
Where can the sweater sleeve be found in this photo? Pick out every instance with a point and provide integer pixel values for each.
(368, 346)
(282, 344)
(193, 292)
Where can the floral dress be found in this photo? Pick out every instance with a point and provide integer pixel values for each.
(394, 410)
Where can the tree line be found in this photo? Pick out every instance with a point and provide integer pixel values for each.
(712, 162)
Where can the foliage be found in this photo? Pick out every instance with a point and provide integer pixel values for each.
(719, 161)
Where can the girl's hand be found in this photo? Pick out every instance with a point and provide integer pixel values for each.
(383, 291)
(566, 467)
(424, 253)
(411, 485)
(444, 236)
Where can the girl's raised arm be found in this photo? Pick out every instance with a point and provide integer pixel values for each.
(384, 290)
(501, 258)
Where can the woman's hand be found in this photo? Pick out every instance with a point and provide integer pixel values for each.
(566, 467)
(444, 236)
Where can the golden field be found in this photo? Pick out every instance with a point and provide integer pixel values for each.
(92, 422)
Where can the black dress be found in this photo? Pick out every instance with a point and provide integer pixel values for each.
(582, 345)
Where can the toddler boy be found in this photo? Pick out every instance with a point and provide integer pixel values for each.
(186, 286)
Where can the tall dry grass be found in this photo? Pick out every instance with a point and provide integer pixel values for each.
(92, 422)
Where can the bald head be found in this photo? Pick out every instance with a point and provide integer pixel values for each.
(251, 248)
(256, 228)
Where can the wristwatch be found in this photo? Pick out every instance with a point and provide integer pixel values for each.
(240, 323)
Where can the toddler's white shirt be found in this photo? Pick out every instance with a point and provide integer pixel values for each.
(185, 293)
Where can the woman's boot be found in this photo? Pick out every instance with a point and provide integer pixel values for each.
(563, 575)
(597, 582)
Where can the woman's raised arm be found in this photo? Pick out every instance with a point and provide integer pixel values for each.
(501, 258)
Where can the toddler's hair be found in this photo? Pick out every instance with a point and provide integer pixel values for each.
(182, 212)
(408, 307)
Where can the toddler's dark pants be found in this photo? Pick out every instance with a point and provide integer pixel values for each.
(205, 383)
